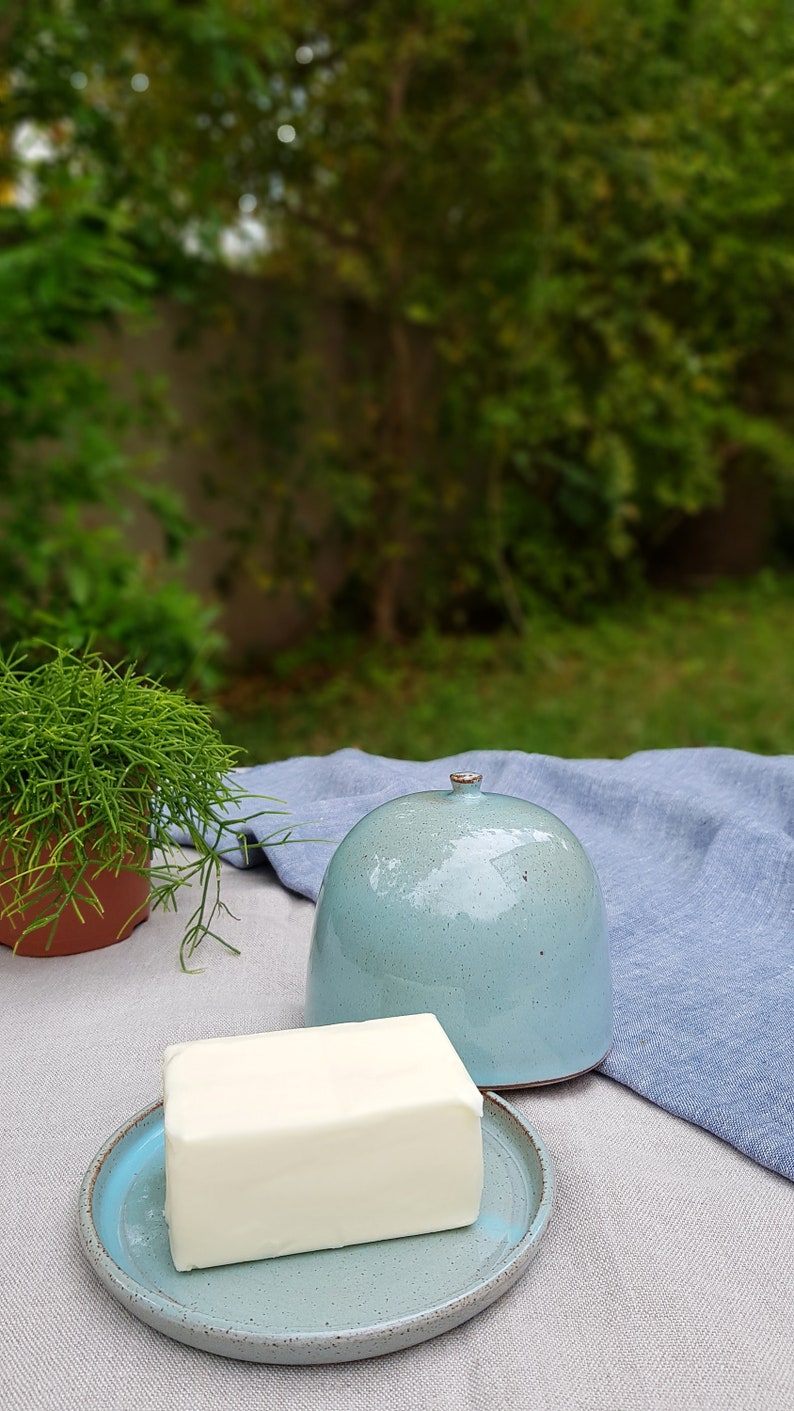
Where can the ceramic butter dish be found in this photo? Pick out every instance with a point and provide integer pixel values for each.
(482, 909)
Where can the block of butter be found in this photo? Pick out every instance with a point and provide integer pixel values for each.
(317, 1138)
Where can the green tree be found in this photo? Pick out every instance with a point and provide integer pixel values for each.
(558, 236)
(70, 490)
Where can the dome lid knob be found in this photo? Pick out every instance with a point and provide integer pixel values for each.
(465, 783)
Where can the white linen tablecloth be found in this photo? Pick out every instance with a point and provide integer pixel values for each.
(666, 1279)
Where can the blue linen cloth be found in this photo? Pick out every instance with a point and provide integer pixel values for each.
(695, 852)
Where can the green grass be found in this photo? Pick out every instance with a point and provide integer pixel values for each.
(716, 669)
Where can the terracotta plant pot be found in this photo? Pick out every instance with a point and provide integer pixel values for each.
(124, 897)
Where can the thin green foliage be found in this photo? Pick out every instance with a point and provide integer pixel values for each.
(97, 765)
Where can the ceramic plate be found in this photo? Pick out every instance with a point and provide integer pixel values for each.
(337, 1305)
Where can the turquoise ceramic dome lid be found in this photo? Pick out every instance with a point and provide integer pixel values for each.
(480, 908)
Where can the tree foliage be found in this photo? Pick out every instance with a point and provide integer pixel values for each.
(71, 491)
(558, 235)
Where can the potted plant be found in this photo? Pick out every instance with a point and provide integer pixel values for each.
(97, 764)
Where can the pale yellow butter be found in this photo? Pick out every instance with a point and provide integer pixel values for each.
(317, 1138)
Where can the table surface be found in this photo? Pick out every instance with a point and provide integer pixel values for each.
(666, 1279)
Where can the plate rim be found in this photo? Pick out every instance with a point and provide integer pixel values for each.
(138, 1297)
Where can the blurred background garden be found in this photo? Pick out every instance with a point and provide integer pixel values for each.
(414, 376)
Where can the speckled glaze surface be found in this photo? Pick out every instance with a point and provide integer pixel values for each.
(480, 908)
(336, 1305)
